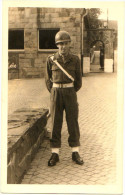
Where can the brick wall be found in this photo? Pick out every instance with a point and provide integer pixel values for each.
(32, 61)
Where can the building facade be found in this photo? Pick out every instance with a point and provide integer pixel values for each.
(31, 37)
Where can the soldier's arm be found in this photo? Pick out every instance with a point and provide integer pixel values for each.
(48, 75)
(78, 80)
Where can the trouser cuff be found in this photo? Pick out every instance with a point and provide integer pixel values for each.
(75, 149)
(55, 150)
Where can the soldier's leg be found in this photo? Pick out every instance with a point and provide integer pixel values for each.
(56, 111)
(71, 109)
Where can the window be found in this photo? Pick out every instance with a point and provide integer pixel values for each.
(16, 39)
(47, 38)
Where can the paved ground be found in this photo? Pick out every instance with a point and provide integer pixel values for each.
(97, 120)
(27, 93)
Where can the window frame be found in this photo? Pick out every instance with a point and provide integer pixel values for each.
(46, 50)
(16, 50)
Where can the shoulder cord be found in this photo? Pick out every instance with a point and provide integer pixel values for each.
(66, 73)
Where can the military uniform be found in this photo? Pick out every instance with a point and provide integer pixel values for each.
(64, 98)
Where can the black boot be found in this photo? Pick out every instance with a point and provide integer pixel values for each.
(53, 160)
(76, 157)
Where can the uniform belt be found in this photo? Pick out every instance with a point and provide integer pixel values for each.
(60, 85)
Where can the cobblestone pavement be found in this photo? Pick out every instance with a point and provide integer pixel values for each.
(97, 121)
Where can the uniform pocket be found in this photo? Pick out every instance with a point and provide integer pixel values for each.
(56, 73)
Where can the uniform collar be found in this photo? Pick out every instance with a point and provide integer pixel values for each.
(58, 57)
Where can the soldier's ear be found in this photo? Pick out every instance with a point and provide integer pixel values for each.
(57, 45)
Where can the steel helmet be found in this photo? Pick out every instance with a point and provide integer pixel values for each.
(62, 36)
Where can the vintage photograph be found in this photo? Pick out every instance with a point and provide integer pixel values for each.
(62, 96)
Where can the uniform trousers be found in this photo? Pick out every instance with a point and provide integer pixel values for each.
(64, 99)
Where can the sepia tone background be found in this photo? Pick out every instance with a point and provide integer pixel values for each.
(29, 63)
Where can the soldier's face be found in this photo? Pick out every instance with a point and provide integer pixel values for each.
(64, 48)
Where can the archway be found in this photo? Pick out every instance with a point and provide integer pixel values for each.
(105, 37)
(97, 56)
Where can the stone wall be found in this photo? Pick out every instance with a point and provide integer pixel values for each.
(26, 131)
(32, 61)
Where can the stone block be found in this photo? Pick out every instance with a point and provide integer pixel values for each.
(11, 173)
(30, 50)
(65, 19)
(34, 16)
(78, 18)
(33, 11)
(25, 20)
(58, 20)
(29, 44)
(38, 65)
(45, 25)
(69, 25)
(43, 9)
(64, 14)
(18, 130)
(55, 15)
(21, 16)
(28, 56)
(77, 24)
(22, 150)
(33, 20)
(48, 18)
(86, 64)
(53, 10)
(34, 34)
(77, 46)
(35, 25)
(72, 19)
(33, 72)
(108, 65)
(78, 39)
(72, 10)
(38, 61)
(34, 44)
(27, 12)
(22, 55)
(25, 62)
(29, 25)
(77, 29)
(21, 8)
(13, 74)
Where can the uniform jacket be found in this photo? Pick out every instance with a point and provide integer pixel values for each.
(71, 64)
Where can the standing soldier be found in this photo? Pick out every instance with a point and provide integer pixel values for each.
(63, 80)
(102, 58)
